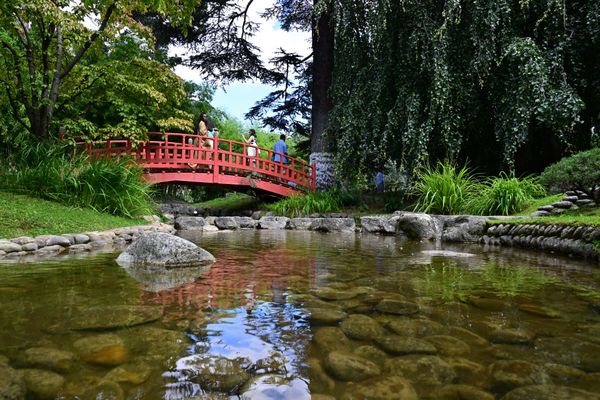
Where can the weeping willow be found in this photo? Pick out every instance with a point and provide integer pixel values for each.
(464, 80)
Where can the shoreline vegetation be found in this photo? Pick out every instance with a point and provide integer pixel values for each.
(22, 215)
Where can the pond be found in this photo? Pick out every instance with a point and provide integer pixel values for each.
(290, 315)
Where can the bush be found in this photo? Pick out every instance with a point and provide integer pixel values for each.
(578, 172)
(50, 172)
(444, 189)
(314, 202)
(504, 195)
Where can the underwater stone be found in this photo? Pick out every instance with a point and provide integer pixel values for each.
(43, 384)
(48, 358)
(399, 345)
(105, 350)
(448, 345)
(349, 367)
(421, 369)
(398, 307)
(549, 392)
(361, 327)
(458, 392)
(386, 388)
(508, 374)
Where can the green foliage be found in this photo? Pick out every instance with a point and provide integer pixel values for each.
(462, 80)
(22, 215)
(444, 189)
(232, 202)
(314, 202)
(107, 185)
(578, 172)
(504, 195)
(121, 92)
(44, 41)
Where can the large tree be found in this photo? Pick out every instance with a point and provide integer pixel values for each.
(501, 84)
(42, 41)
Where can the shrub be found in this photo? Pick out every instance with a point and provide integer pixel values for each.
(443, 189)
(578, 172)
(504, 195)
(314, 202)
(50, 172)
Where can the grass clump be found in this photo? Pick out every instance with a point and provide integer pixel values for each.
(314, 202)
(504, 195)
(114, 186)
(444, 189)
(21, 215)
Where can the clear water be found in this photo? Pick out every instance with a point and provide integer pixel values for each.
(252, 326)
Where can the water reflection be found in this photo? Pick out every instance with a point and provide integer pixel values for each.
(284, 314)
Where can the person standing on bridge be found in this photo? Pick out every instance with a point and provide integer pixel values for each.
(251, 141)
(280, 152)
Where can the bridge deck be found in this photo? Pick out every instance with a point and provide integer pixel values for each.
(181, 158)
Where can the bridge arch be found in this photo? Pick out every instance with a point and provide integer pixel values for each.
(181, 158)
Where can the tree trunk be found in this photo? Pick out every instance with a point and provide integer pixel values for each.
(321, 145)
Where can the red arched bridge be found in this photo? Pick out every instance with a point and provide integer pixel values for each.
(190, 159)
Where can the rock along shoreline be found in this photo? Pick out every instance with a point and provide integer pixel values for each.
(580, 241)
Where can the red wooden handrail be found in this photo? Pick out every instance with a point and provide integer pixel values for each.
(184, 153)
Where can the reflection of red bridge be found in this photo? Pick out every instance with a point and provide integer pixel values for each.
(180, 158)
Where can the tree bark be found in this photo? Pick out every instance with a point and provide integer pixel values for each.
(323, 59)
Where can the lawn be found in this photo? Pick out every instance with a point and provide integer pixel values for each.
(583, 216)
(26, 216)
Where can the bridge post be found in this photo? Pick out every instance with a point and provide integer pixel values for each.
(215, 159)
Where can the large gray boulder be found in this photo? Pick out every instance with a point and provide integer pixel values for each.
(385, 224)
(164, 249)
(463, 228)
(273, 223)
(333, 225)
(190, 223)
(419, 226)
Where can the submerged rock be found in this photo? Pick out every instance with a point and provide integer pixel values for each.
(398, 307)
(388, 388)
(350, 367)
(508, 374)
(549, 392)
(12, 385)
(396, 345)
(458, 392)
(134, 374)
(112, 317)
(164, 249)
(361, 327)
(415, 327)
(105, 350)
(331, 338)
(570, 351)
(217, 373)
(448, 345)
(48, 358)
(325, 316)
(426, 370)
(43, 384)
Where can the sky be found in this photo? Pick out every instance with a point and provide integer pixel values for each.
(236, 99)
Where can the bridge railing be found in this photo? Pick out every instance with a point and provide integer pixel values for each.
(188, 152)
